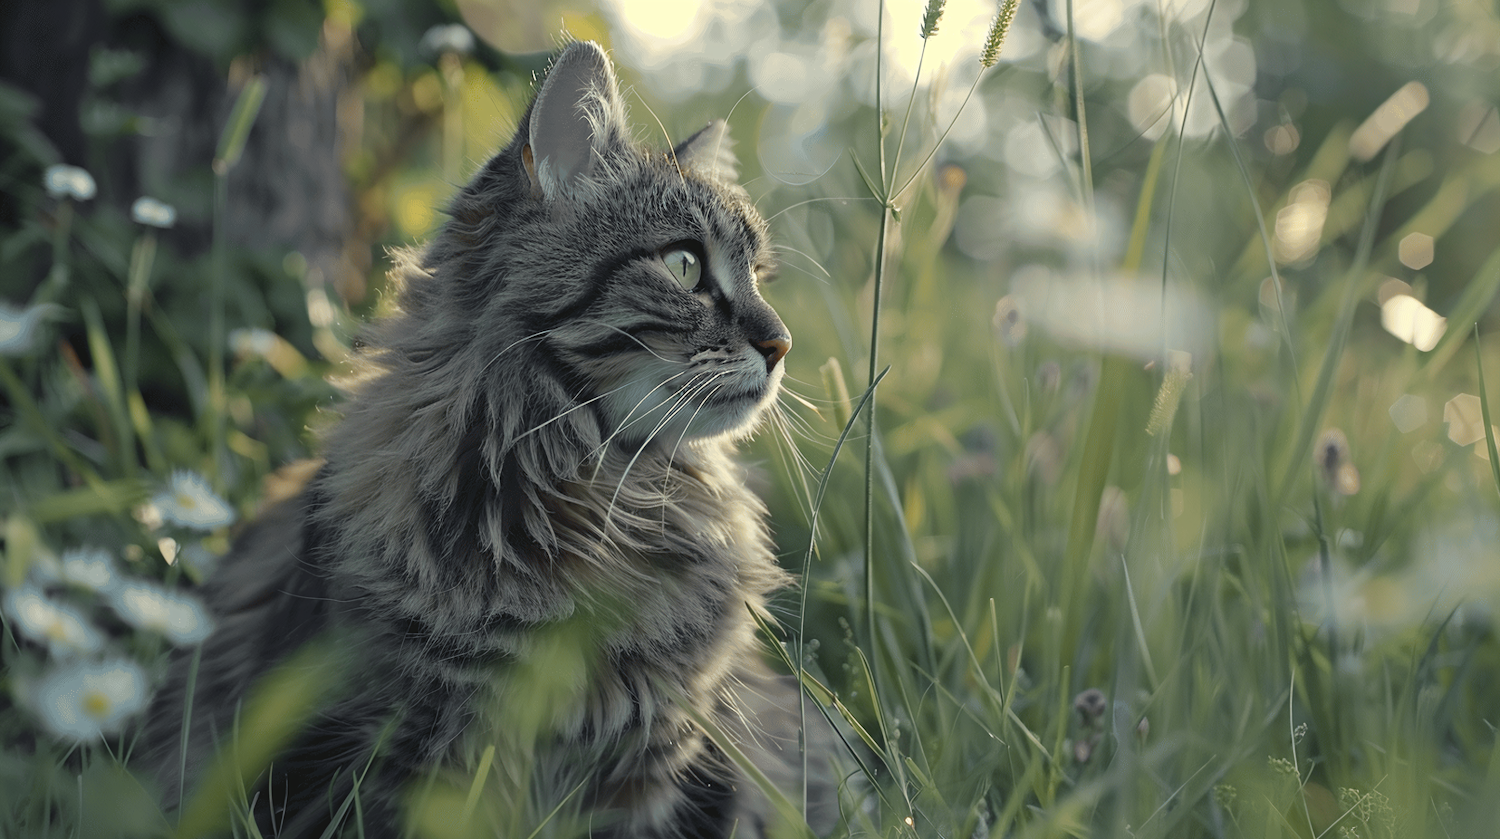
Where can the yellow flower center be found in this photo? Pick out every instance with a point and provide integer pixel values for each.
(95, 704)
(185, 501)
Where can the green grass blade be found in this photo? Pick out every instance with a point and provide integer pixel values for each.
(237, 129)
(1478, 293)
(1354, 285)
(1484, 410)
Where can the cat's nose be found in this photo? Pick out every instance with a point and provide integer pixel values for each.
(774, 349)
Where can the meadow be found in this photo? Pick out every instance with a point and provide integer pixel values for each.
(1173, 512)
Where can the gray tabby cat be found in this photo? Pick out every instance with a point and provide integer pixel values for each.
(529, 532)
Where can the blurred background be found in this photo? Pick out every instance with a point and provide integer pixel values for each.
(1184, 303)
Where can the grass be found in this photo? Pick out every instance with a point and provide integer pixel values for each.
(1054, 590)
(1164, 535)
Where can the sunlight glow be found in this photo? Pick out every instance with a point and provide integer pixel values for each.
(1124, 315)
(667, 23)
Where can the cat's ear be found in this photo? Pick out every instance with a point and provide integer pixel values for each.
(709, 153)
(577, 117)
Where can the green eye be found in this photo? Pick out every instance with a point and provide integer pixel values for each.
(685, 267)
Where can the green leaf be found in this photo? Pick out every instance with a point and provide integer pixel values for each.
(237, 129)
(107, 498)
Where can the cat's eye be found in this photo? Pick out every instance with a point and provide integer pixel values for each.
(685, 266)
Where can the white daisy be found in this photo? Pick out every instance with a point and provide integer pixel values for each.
(18, 327)
(88, 699)
(63, 628)
(254, 341)
(180, 618)
(189, 501)
(90, 568)
(153, 213)
(64, 181)
(451, 37)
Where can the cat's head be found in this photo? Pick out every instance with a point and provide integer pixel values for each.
(598, 278)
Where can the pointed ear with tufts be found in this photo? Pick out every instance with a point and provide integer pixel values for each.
(577, 117)
(709, 153)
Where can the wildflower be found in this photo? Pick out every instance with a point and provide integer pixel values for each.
(18, 327)
(189, 501)
(63, 628)
(253, 341)
(180, 618)
(1090, 705)
(931, 16)
(999, 27)
(153, 213)
(1335, 467)
(90, 568)
(1049, 376)
(1008, 322)
(452, 37)
(88, 699)
(64, 181)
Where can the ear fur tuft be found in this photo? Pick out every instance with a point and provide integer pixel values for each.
(578, 115)
(709, 153)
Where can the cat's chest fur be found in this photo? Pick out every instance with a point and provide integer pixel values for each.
(630, 614)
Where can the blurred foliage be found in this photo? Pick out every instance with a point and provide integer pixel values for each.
(1106, 451)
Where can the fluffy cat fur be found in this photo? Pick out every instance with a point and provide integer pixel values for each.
(529, 531)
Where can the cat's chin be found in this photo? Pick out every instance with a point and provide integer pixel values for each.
(646, 414)
(730, 416)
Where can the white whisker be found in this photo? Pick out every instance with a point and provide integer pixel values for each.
(684, 396)
(633, 338)
(597, 454)
(533, 336)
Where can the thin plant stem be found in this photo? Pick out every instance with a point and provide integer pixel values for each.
(1085, 160)
(887, 178)
(216, 401)
(880, 248)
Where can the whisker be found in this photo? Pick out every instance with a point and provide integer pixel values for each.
(793, 460)
(805, 402)
(598, 451)
(816, 386)
(585, 402)
(684, 397)
(816, 200)
(804, 254)
(633, 338)
(533, 336)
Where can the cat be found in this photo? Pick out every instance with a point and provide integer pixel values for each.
(529, 536)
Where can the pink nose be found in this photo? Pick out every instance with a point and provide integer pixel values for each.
(774, 349)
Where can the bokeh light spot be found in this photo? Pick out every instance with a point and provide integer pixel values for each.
(1299, 225)
(1464, 418)
(1409, 413)
(1415, 251)
(1392, 116)
(1408, 319)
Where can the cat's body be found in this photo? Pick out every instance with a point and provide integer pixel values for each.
(529, 532)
